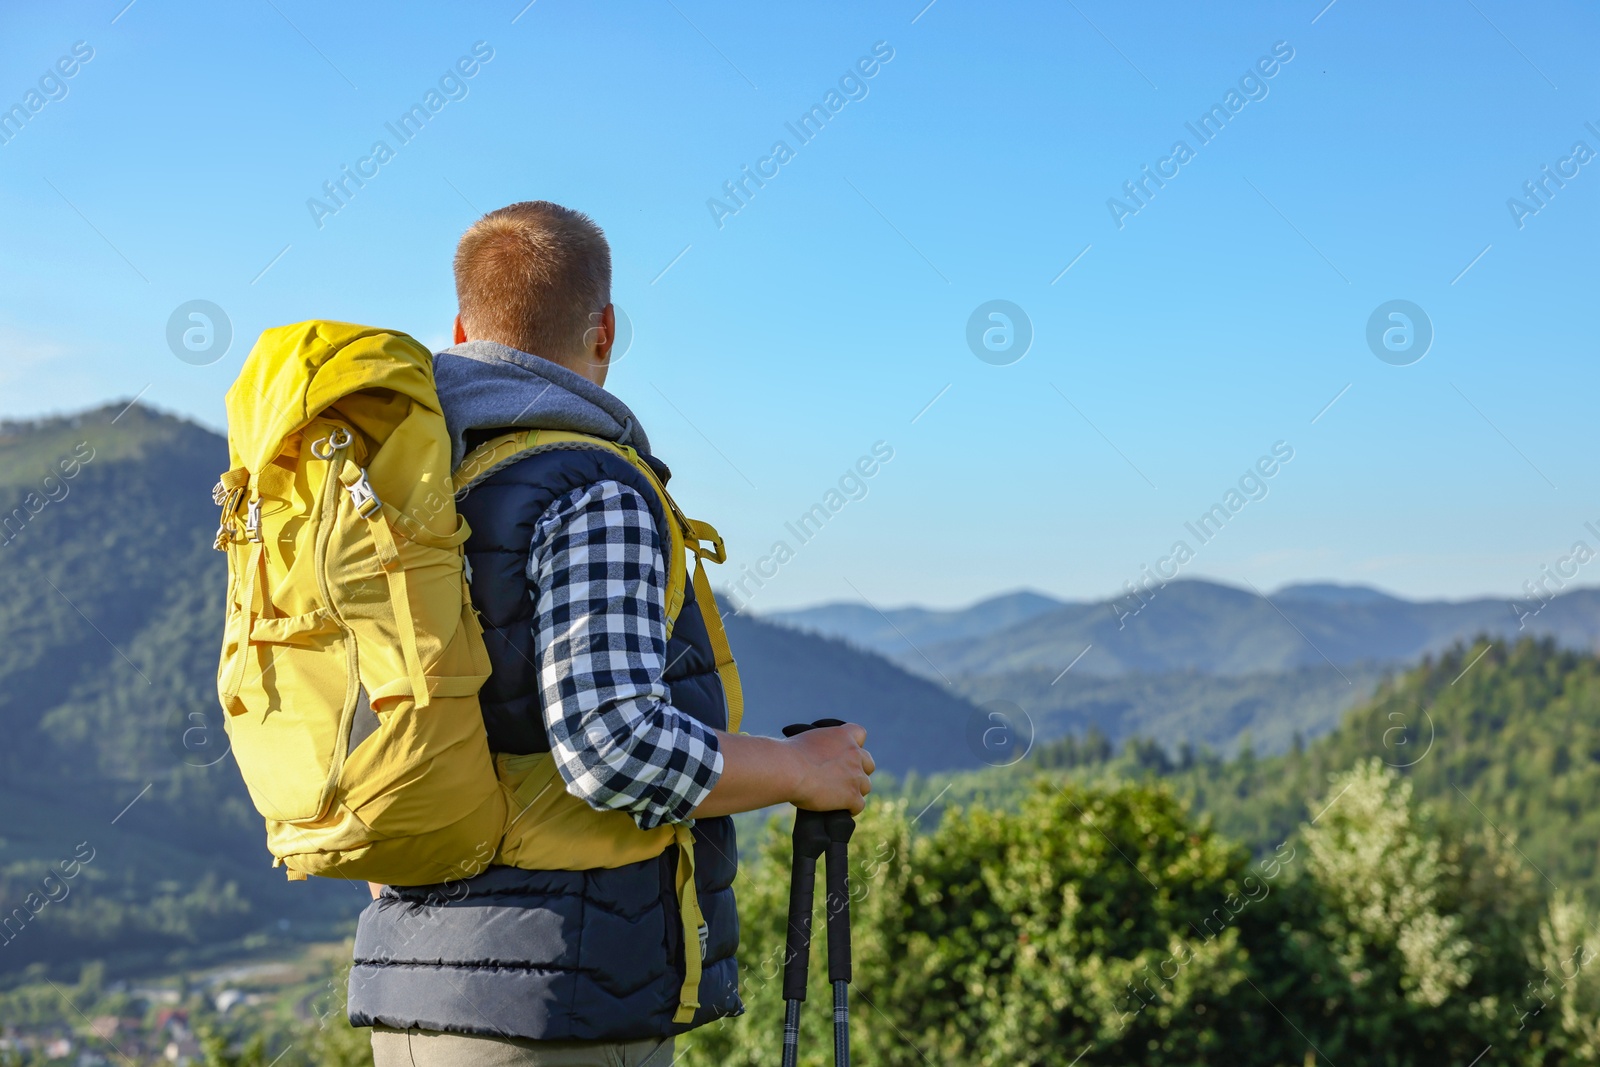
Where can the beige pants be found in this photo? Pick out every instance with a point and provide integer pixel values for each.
(426, 1048)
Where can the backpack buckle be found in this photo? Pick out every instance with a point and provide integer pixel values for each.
(252, 526)
(362, 496)
(336, 441)
(703, 534)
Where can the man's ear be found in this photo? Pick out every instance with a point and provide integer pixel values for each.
(608, 323)
(461, 332)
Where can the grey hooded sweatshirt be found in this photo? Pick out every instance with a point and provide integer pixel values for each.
(485, 385)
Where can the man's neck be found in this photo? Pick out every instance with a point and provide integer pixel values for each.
(585, 365)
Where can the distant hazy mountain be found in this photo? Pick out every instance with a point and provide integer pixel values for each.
(1206, 710)
(912, 723)
(887, 632)
(1333, 593)
(1203, 627)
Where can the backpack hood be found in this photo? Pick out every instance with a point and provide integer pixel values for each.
(485, 385)
(294, 373)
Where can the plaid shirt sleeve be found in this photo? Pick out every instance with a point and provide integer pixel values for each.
(600, 639)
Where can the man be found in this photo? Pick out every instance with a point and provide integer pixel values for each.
(568, 572)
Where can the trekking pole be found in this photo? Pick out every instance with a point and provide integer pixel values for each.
(817, 833)
(840, 826)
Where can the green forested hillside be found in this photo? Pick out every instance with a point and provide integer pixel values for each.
(1421, 893)
(1497, 735)
(1093, 926)
(110, 600)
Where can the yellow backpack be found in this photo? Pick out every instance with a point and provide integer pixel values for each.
(352, 655)
(347, 594)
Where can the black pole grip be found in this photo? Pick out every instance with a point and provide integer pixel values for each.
(838, 911)
(810, 842)
(801, 727)
(816, 833)
(797, 942)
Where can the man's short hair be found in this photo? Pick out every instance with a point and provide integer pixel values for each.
(533, 276)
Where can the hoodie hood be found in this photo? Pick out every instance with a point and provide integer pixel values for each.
(485, 385)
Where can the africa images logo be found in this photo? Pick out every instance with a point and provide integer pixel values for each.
(50, 87)
(852, 86)
(451, 85)
(1206, 128)
(1399, 332)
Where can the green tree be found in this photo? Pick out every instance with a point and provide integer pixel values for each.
(1562, 1002)
(1420, 938)
(1090, 927)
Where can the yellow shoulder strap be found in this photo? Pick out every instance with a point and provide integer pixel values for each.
(703, 533)
(683, 533)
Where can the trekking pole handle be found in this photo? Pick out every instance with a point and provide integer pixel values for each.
(839, 824)
(840, 827)
(810, 841)
(814, 833)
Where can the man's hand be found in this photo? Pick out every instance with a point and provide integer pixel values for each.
(826, 769)
(835, 770)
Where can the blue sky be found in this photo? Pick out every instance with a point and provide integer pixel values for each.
(773, 351)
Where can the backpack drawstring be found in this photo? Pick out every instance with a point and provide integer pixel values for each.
(250, 580)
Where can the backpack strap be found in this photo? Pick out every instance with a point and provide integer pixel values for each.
(377, 513)
(694, 926)
(703, 534)
(683, 533)
(507, 449)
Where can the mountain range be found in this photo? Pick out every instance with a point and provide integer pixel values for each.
(1195, 626)
(110, 616)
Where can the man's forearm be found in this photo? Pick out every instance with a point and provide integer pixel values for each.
(757, 772)
(824, 770)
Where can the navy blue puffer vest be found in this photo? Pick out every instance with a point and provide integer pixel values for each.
(553, 955)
